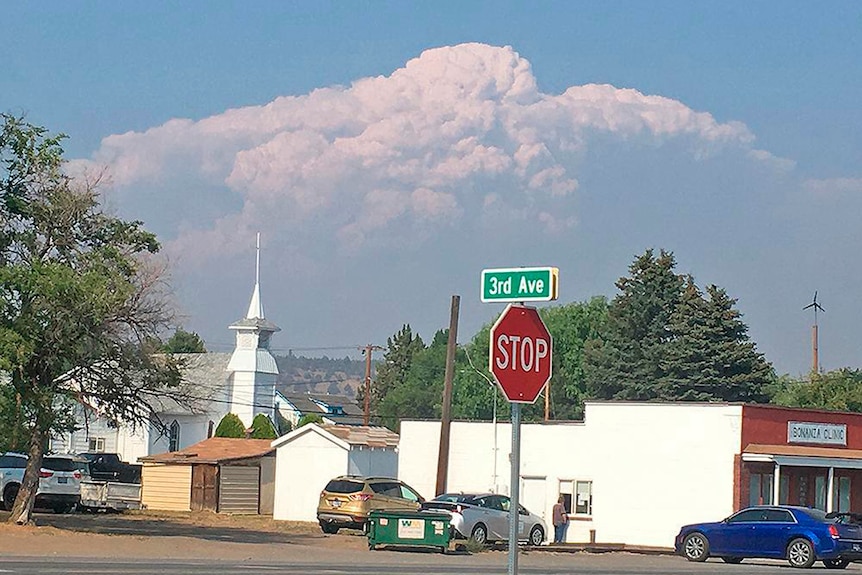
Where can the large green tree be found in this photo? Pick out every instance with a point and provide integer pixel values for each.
(392, 371)
(665, 340)
(183, 341)
(79, 300)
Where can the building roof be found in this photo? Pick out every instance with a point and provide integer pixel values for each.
(204, 377)
(215, 450)
(345, 436)
(337, 408)
(364, 436)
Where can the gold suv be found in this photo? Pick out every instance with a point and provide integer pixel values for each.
(347, 500)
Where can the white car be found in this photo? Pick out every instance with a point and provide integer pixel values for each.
(484, 517)
(59, 481)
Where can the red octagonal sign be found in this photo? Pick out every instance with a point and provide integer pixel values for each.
(520, 357)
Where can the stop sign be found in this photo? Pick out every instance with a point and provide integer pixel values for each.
(520, 357)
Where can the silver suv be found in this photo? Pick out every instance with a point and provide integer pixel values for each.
(59, 481)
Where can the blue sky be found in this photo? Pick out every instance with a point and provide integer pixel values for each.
(728, 133)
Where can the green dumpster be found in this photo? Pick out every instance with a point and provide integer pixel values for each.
(409, 528)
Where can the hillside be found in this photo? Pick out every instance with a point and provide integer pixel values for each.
(299, 374)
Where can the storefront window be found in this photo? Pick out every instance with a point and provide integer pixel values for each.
(841, 494)
(566, 490)
(784, 490)
(820, 492)
(760, 489)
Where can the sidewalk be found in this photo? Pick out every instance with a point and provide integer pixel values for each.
(603, 548)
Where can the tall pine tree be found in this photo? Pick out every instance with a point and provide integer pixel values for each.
(665, 340)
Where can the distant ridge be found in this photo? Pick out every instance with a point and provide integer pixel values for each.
(297, 374)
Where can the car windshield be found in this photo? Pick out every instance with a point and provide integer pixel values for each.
(344, 486)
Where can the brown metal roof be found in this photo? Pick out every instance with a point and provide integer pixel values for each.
(362, 435)
(215, 450)
(804, 451)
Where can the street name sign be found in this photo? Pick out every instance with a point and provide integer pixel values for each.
(520, 284)
(520, 357)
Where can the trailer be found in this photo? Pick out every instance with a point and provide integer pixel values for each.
(110, 495)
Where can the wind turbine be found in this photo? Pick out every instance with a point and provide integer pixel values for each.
(815, 361)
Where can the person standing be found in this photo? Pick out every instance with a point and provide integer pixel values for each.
(560, 520)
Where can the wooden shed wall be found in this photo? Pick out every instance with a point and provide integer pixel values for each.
(166, 487)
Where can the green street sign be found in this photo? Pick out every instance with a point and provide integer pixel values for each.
(520, 284)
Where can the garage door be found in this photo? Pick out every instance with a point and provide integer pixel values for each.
(239, 489)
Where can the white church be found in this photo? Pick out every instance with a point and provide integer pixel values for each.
(242, 382)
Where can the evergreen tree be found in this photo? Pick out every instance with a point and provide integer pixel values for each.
(711, 357)
(665, 341)
(395, 367)
(184, 342)
(309, 418)
(625, 362)
(262, 427)
(230, 426)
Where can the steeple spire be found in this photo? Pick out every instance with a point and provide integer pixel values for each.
(255, 307)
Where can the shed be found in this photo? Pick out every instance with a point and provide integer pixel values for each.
(308, 457)
(219, 474)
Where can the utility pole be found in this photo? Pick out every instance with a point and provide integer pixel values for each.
(548, 401)
(446, 415)
(367, 351)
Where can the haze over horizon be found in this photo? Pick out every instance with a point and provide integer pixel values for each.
(387, 154)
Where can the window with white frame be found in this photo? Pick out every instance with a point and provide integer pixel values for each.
(760, 489)
(96, 444)
(577, 496)
(583, 497)
(174, 436)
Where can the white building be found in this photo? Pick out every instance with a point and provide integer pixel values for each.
(633, 473)
(242, 382)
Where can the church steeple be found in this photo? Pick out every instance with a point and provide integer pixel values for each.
(253, 366)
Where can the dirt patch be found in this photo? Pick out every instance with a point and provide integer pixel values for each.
(164, 534)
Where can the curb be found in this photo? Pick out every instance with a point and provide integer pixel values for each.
(603, 548)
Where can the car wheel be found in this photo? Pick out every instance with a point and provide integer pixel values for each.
(800, 553)
(9, 496)
(329, 528)
(732, 560)
(836, 563)
(695, 547)
(479, 534)
(537, 535)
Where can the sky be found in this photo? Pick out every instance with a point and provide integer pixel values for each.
(387, 152)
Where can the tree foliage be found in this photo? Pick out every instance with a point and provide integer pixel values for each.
(840, 390)
(184, 342)
(79, 300)
(309, 418)
(262, 427)
(230, 426)
(665, 340)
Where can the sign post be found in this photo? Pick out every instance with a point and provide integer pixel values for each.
(520, 360)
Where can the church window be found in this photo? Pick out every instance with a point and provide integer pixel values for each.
(174, 436)
(210, 428)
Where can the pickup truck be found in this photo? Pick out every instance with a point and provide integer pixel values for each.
(109, 467)
(110, 495)
(112, 484)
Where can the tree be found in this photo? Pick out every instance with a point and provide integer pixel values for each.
(625, 362)
(839, 390)
(309, 418)
(710, 357)
(184, 342)
(230, 426)
(13, 433)
(665, 340)
(79, 300)
(262, 427)
(395, 367)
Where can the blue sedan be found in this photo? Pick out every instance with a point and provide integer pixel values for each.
(798, 534)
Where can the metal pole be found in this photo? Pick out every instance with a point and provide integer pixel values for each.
(515, 496)
(366, 416)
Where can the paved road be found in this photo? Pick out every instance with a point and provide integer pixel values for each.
(393, 563)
